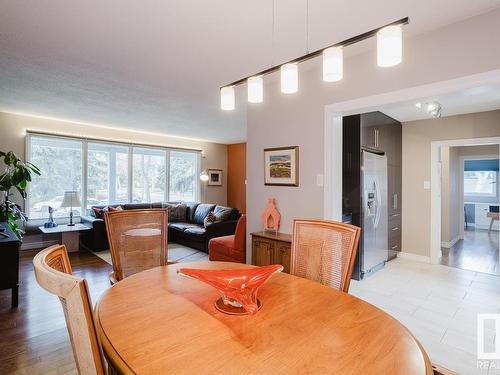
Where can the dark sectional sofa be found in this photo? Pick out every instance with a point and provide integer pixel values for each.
(185, 224)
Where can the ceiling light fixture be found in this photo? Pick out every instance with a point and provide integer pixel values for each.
(255, 87)
(289, 78)
(390, 46)
(227, 98)
(333, 64)
(389, 53)
(433, 108)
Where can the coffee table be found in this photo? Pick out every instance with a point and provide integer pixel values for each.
(70, 235)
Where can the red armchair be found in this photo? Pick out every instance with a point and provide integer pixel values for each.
(230, 248)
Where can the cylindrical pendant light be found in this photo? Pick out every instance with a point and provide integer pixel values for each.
(289, 78)
(227, 98)
(255, 89)
(333, 64)
(390, 46)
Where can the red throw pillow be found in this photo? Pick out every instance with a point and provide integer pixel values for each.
(113, 209)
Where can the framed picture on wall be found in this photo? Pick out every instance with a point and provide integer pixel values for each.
(215, 177)
(281, 166)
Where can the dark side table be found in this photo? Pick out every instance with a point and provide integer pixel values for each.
(9, 262)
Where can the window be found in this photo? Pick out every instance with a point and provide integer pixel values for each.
(108, 173)
(60, 163)
(480, 183)
(149, 171)
(183, 176)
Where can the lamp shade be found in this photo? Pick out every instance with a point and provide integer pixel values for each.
(255, 89)
(289, 78)
(227, 98)
(333, 64)
(390, 46)
(71, 199)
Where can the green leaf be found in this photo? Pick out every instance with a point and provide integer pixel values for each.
(21, 191)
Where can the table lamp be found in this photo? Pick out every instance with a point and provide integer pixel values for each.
(70, 200)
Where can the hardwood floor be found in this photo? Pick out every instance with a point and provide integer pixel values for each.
(478, 251)
(34, 338)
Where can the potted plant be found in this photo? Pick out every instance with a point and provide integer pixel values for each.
(16, 175)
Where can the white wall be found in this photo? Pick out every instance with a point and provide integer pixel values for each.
(13, 130)
(298, 119)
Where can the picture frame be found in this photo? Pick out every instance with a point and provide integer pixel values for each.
(281, 166)
(215, 177)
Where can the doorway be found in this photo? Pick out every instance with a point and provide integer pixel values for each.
(469, 177)
(465, 202)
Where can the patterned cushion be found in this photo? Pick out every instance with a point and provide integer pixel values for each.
(176, 212)
(222, 213)
(113, 209)
(99, 212)
(211, 218)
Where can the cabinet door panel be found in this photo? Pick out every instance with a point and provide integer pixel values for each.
(262, 252)
(396, 158)
(393, 189)
(282, 255)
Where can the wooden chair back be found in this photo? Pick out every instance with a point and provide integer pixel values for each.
(137, 240)
(53, 273)
(324, 251)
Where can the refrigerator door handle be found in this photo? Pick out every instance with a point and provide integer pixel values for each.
(378, 203)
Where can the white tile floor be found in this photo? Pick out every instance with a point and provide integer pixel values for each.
(439, 305)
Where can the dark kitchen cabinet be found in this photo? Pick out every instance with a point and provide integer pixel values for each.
(378, 133)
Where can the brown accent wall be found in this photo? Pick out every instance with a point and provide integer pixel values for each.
(236, 176)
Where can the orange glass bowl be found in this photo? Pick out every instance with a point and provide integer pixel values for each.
(238, 287)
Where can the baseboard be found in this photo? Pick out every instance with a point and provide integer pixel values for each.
(414, 257)
(449, 245)
(487, 227)
(37, 245)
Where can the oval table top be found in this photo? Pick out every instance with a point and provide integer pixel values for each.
(157, 322)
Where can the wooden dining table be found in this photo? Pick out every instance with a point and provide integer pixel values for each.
(159, 322)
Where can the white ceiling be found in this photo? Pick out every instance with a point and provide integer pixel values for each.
(157, 65)
(475, 99)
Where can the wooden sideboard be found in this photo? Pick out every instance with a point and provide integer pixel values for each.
(9, 262)
(271, 248)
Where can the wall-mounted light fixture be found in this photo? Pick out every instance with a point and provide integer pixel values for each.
(204, 176)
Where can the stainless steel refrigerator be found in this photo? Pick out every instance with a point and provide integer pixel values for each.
(374, 249)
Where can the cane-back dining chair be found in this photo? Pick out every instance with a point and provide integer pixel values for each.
(324, 251)
(53, 273)
(137, 240)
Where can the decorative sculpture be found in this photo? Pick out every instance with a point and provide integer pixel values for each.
(238, 287)
(271, 216)
(51, 223)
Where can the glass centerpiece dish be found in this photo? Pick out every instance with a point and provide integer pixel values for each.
(238, 287)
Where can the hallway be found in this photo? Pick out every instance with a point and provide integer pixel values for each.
(478, 251)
